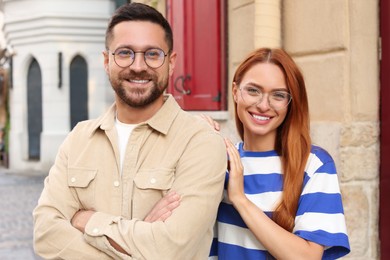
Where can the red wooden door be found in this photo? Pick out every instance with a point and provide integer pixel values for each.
(198, 82)
(384, 209)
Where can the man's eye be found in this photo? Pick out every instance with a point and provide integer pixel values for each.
(124, 53)
(153, 54)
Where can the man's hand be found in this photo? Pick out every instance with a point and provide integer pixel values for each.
(80, 219)
(164, 207)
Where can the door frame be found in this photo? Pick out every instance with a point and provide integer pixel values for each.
(384, 183)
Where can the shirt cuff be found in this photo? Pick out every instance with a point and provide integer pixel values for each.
(97, 230)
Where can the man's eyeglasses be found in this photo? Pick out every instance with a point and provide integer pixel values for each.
(276, 99)
(153, 57)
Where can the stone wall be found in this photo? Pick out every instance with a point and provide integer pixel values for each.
(335, 43)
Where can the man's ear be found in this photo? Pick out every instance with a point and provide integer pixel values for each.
(106, 60)
(172, 62)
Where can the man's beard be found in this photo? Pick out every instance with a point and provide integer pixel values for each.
(141, 101)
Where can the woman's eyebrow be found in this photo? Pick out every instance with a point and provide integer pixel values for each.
(256, 85)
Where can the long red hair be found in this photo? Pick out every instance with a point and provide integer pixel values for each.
(293, 141)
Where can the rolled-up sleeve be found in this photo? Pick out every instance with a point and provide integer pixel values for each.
(54, 236)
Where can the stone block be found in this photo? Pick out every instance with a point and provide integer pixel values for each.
(359, 163)
(327, 136)
(360, 209)
(234, 4)
(364, 33)
(360, 134)
(314, 25)
(325, 79)
(241, 32)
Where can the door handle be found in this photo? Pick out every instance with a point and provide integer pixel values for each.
(180, 84)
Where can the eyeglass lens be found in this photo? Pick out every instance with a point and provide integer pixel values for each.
(276, 99)
(154, 58)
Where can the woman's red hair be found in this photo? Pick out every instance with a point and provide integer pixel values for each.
(293, 141)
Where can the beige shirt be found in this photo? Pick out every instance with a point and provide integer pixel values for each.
(172, 151)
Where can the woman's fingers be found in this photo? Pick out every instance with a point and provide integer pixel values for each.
(214, 124)
(234, 158)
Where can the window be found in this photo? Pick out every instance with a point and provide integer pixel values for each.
(78, 90)
(34, 110)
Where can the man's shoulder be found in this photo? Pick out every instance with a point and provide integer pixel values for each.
(104, 121)
(87, 126)
(193, 122)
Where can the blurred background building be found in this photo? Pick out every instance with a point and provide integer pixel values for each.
(52, 76)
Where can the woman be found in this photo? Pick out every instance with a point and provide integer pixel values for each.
(282, 196)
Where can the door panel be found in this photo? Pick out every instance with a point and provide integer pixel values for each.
(198, 81)
(384, 209)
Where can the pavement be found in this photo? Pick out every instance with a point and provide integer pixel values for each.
(19, 193)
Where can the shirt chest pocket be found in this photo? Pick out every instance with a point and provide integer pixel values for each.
(150, 185)
(82, 180)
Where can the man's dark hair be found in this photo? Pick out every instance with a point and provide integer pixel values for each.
(139, 12)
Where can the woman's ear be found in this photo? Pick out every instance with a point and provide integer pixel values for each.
(235, 92)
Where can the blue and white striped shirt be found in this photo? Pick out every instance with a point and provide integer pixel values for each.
(320, 215)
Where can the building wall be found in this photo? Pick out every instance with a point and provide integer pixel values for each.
(335, 42)
(41, 29)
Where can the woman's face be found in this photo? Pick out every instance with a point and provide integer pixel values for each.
(261, 116)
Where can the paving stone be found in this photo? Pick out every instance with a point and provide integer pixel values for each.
(19, 193)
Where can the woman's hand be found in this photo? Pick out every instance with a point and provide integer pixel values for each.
(214, 124)
(236, 174)
(164, 207)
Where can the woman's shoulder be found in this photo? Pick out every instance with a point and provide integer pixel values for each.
(320, 161)
(320, 153)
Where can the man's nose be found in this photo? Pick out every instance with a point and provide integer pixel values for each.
(139, 63)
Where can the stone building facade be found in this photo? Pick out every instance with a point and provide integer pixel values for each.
(42, 31)
(335, 42)
(336, 45)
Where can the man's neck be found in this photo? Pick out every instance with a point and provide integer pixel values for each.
(135, 115)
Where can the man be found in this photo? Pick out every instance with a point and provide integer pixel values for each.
(104, 196)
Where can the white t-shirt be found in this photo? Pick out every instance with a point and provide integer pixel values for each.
(124, 132)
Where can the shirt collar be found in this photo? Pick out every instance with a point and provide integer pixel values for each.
(160, 122)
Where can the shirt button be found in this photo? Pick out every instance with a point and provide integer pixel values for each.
(153, 180)
(116, 183)
(73, 179)
(95, 230)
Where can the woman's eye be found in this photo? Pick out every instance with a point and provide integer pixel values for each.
(280, 95)
(253, 91)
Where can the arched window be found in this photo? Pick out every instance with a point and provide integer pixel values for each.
(34, 110)
(78, 90)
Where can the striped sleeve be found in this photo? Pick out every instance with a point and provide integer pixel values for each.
(320, 216)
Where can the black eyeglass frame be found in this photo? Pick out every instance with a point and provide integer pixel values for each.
(143, 52)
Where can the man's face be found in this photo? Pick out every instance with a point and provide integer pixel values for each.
(138, 85)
